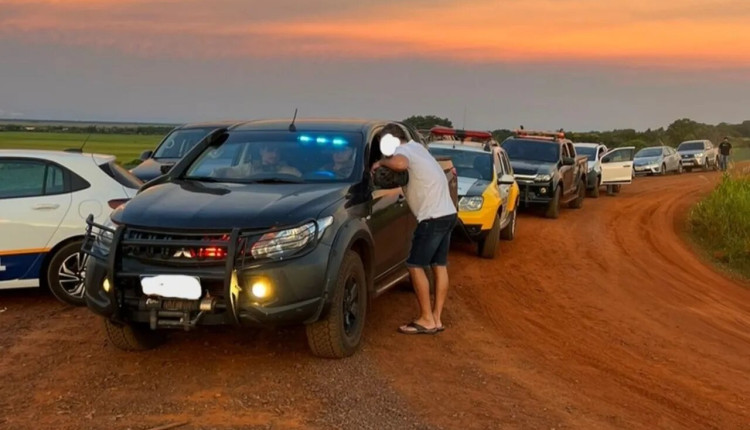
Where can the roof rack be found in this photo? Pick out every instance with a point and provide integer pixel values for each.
(546, 135)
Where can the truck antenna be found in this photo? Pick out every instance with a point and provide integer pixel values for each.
(292, 127)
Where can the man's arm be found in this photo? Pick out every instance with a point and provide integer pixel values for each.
(398, 163)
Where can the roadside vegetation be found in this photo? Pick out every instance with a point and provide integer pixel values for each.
(720, 223)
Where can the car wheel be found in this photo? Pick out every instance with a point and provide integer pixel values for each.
(339, 333)
(509, 232)
(663, 170)
(66, 272)
(487, 246)
(577, 203)
(132, 336)
(617, 188)
(553, 207)
(595, 192)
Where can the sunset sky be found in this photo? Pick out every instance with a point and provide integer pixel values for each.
(576, 64)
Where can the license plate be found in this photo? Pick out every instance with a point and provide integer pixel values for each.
(172, 286)
(687, 162)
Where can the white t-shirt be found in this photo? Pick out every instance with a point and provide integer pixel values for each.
(427, 192)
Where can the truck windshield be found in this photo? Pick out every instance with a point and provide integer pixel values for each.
(530, 150)
(179, 142)
(589, 151)
(282, 156)
(690, 146)
(468, 164)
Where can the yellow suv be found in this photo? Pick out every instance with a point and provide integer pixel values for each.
(487, 191)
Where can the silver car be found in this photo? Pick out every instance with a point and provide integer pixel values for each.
(657, 160)
(698, 154)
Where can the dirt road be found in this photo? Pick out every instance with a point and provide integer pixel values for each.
(603, 318)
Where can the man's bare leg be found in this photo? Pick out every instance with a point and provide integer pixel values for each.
(441, 292)
(422, 290)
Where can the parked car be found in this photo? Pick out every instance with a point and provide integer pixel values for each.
(617, 168)
(548, 170)
(45, 197)
(488, 192)
(172, 148)
(261, 224)
(594, 153)
(698, 154)
(657, 160)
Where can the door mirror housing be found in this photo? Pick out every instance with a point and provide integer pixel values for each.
(145, 155)
(386, 178)
(568, 161)
(165, 168)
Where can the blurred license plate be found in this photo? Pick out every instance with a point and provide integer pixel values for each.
(172, 286)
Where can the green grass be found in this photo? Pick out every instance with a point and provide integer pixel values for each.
(126, 147)
(721, 223)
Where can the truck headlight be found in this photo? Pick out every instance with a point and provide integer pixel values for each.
(103, 240)
(699, 155)
(470, 204)
(284, 243)
(543, 178)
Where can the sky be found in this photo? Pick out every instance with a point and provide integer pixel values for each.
(573, 64)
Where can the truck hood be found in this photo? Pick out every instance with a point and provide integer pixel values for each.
(223, 206)
(524, 167)
(151, 168)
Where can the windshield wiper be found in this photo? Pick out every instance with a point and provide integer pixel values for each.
(201, 178)
(275, 181)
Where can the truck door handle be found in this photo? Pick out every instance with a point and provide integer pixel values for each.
(45, 206)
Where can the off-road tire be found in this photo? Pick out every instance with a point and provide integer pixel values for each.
(487, 246)
(327, 337)
(509, 232)
(53, 276)
(133, 337)
(594, 193)
(577, 203)
(553, 207)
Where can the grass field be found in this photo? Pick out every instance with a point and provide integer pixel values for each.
(126, 147)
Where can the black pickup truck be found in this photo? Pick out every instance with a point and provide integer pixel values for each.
(548, 170)
(261, 224)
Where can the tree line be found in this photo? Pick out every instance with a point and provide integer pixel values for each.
(678, 131)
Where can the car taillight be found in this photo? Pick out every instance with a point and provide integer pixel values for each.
(114, 204)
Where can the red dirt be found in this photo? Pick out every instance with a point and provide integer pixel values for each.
(603, 318)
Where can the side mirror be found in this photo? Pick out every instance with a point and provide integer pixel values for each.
(568, 161)
(386, 178)
(165, 168)
(145, 155)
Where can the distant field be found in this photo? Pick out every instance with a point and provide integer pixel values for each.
(125, 147)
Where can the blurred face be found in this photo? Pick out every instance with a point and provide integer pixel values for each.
(343, 155)
(269, 155)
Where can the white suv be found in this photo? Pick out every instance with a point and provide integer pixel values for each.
(45, 197)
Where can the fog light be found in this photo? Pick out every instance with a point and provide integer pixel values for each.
(543, 190)
(261, 289)
(106, 285)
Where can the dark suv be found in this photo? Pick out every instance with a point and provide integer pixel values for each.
(233, 235)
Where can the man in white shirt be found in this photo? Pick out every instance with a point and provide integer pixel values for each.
(429, 199)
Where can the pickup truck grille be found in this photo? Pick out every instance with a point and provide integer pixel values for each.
(175, 248)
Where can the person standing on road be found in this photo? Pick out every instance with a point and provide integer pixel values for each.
(428, 197)
(724, 149)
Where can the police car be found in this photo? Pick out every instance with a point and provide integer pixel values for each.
(487, 190)
(45, 197)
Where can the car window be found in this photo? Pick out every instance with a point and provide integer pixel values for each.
(498, 165)
(177, 143)
(565, 151)
(618, 155)
(20, 178)
(468, 164)
(507, 168)
(54, 183)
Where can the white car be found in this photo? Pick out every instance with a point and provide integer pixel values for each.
(45, 197)
(594, 152)
(617, 168)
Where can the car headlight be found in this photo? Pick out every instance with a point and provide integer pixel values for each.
(103, 240)
(699, 155)
(470, 203)
(543, 178)
(284, 243)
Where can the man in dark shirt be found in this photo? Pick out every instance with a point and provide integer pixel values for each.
(724, 149)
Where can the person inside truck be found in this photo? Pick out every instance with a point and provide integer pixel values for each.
(267, 160)
(342, 161)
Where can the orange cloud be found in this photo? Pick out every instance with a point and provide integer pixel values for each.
(692, 34)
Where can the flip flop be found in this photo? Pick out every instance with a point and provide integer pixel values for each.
(418, 329)
(439, 329)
